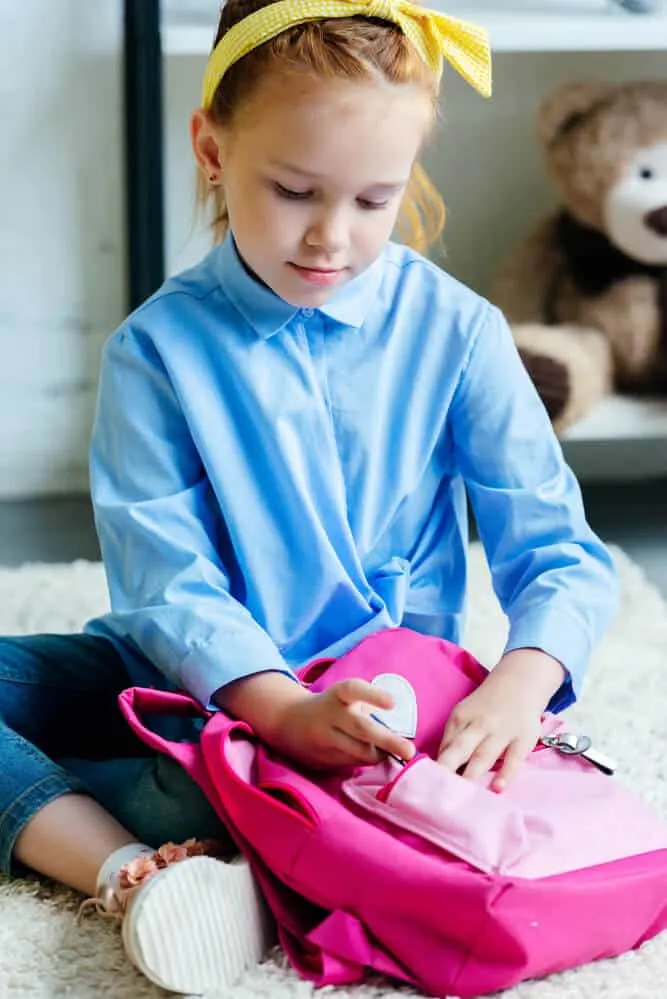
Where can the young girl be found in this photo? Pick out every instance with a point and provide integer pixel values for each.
(284, 441)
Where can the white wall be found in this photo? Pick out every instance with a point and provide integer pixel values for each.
(61, 240)
(62, 226)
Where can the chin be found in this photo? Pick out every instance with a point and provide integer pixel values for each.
(308, 300)
(299, 294)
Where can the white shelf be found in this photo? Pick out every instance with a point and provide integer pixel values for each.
(605, 32)
(510, 32)
(622, 418)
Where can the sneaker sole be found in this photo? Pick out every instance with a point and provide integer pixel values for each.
(198, 925)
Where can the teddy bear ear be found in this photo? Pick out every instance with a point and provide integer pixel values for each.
(567, 106)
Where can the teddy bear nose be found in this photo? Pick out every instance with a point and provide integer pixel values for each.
(657, 220)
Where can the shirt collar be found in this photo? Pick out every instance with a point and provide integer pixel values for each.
(267, 313)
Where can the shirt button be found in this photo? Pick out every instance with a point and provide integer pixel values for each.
(307, 313)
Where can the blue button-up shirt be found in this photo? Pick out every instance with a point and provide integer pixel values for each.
(272, 484)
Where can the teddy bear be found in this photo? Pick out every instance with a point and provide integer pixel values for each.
(586, 293)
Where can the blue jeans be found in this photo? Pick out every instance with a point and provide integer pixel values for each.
(61, 731)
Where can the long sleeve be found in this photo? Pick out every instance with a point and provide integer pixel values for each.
(554, 578)
(159, 528)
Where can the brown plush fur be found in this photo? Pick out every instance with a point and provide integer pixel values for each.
(603, 341)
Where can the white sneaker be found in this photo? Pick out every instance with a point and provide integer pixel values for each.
(195, 924)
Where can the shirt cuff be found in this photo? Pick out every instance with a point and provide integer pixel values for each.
(209, 667)
(563, 638)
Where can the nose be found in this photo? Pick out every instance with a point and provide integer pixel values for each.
(657, 220)
(329, 232)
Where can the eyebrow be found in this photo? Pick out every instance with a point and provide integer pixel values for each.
(292, 168)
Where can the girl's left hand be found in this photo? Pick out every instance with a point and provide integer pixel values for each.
(502, 718)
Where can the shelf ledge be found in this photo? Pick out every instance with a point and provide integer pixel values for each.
(622, 418)
(571, 32)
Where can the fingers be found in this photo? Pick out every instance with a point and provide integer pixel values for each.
(514, 758)
(354, 751)
(473, 741)
(359, 724)
(350, 751)
(351, 691)
(485, 756)
(456, 723)
(473, 753)
(459, 744)
(358, 699)
(478, 736)
(389, 742)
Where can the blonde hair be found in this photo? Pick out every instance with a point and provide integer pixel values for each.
(346, 47)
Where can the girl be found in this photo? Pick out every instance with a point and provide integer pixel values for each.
(284, 440)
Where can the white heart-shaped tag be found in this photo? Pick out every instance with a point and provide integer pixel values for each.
(402, 718)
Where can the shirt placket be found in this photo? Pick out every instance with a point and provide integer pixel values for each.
(314, 331)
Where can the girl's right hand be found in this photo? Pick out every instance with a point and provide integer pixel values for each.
(320, 731)
(334, 728)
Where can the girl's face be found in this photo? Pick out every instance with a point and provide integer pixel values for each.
(313, 172)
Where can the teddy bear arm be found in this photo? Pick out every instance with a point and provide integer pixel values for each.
(570, 367)
(628, 313)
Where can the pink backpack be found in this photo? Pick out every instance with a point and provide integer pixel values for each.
(413, 871)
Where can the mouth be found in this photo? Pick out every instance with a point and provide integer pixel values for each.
(320, 276)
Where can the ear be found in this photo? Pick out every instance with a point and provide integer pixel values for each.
(207, 140)
(567, 106)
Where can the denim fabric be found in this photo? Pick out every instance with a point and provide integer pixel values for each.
(61, 731)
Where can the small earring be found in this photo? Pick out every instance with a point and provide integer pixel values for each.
(213, 178)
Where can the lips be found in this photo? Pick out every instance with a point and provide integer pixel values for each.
(318, 275)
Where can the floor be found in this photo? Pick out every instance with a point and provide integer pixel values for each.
(633, 516)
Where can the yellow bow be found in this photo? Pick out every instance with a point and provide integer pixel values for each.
(435, 36)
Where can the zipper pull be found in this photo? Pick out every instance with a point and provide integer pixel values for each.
(580, 745)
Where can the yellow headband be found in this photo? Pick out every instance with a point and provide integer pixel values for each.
(434, 35)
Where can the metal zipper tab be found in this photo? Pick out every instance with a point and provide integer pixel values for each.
(580, 745)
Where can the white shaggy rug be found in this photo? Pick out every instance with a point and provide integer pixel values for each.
(43, 954)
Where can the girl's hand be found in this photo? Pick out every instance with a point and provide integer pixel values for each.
(323, 731)
(334, 728)
(502, 718)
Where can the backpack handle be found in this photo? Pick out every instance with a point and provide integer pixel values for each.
(136, 702)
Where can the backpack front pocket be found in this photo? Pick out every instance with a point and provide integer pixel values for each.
(558, 815)
(456, 815)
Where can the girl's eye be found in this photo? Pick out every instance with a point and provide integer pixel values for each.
(371, 205)
(286, 192)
